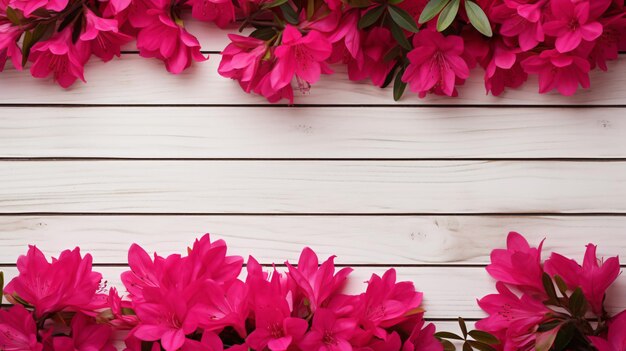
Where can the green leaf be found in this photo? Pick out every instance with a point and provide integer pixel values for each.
(390, 75)
(13, 16)
(274, 3)
(463, 327)
(560, 283)
(266, 33)
(432, 9)
(478, 18)
(1, 283)
(484, 337)
(403, 19)
(399, 36)
(467, 346)
(447, 345)
(447, 16)
(481, 346)
(27, 43)
(290, 15)
(544, 327)
(371, 17)
(447, 335)
(578, 303)
(398, 85)
(392, 54)
(394, 2)
(359, 4)
(564, 337)
(548, 286)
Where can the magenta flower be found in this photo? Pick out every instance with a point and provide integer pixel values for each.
(571, 24)
(435, 63)
(302, 56)
(241, 59)
(329, 333)
(563, 72)
(59, 57)
(275, 329)
(18, 331)
(518, 265)
(504, 69)
(529, 32)
(593, 278)
(65, 284)
(616, 338)
(515, 319)
(8, 46)
(422, 339)
(371, 63)
(86, 336)
(29, 6)
(386, 303)
(104, 36)
(222, 12)
(317, 283)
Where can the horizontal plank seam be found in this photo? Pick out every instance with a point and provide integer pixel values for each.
(311, 214)
(320, 159)
(390, 105)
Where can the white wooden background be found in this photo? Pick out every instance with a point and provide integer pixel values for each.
(429, 186)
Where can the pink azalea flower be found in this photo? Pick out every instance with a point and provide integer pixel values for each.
(616, 338)
(263, 84)
(435, 63)
(222, 12)
(302, 56)
(208, 260)
(241, 60)
(86, 336)
(317, 283)
(329, 333)
(571, 24)
(65, 284)
(275, 329)
(373, 64)
(59, 57)
(169, 315)
(528, 32)
(422, 339)
(104, 36)
(529, 9)
(18, 331)
(347, 32)
(606, 47)
(117, 305)
(518, 265)
(29, 6)
(144, 273)
(504, 69)
(516, 319)
(165, 40)
(8, 46)
(228, 308)
(563, 72)
(593, 278)
(386, 303)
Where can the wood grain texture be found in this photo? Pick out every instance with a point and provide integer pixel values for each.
(134, 80)
(448, 292)
(400, 240)
(358, 133)
(312, 187)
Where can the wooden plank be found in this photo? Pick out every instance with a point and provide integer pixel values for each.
(312, 187)
(397, 240)
(449, 292)
(199, 132)
(134, 80)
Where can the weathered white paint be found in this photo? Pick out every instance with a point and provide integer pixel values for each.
(199, 132)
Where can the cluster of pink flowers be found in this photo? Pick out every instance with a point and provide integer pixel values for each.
(557, 304)
(428, 45)
(55, 305)
(198, 302)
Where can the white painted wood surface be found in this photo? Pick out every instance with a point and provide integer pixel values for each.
(138, 155)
